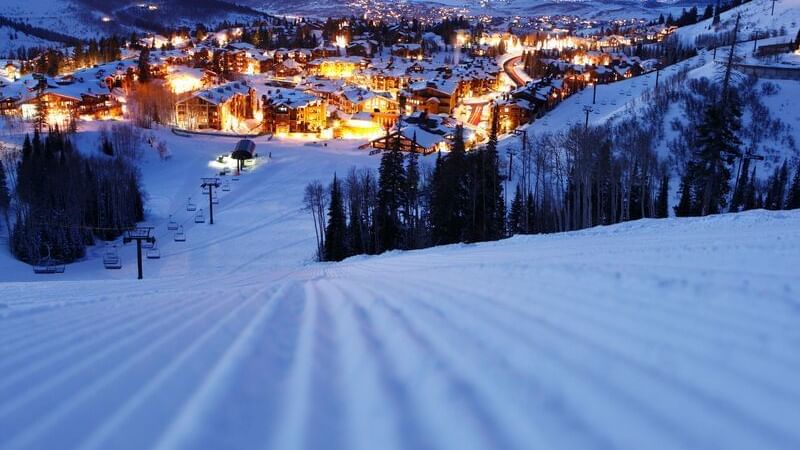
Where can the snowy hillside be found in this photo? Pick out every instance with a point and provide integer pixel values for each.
(654, 334)
(11, 40)
(607, 9)
(756, 16)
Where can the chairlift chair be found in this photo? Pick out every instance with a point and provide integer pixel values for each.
(190, 206)
(172, 225)
(205, 190)
(226, 186)
(199, 217)
(180, 236)
(111, 258)
(47, 265)
(214, 199)
(154, 252)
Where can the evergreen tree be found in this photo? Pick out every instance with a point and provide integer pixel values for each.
(777, 188)
(751, 200)
(531, 212)
(737, 201)
(686, 205)
(662, 202)
(144, 65)
(391, 183)
(487, 206)
(449, 194)
(516, 219)
(411, 196)
(717, 141)
(336, 233)
(793, 198)
(5, 199)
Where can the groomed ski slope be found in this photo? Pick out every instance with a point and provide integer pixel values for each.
(652, 334)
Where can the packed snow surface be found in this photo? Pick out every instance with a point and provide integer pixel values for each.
(650, 334)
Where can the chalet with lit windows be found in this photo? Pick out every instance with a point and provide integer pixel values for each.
(363, 48)
(288, 68)
(386, 77)
(340, 67)
(382, 109)
(434, 97)
(292, 111)
(513, 112)
(408, 51)
(422, 133)
(223, 107)
(329, 51)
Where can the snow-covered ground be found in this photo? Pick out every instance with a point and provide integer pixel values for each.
(11, 40)
(756, 16)
(650, 334)
(653, 334)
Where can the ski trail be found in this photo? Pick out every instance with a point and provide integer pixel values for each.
(199, 401)
(12, 405)
(64, 408)
(325, 422)
(37, 357)
(297, 400)
(683, 396)
(369, 387)
(503, 415)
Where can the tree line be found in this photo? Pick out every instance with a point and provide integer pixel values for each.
(63, 200)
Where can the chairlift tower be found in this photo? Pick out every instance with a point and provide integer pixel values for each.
(587, 109)
(210, 183)
(139, 234)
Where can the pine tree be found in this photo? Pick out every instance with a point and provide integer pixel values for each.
(737, 200)
(776, 194)
(488, 208)
(449, 195)
(411, 196)
(686, 205)
(144, 65)
(533, 227)
(750, 200)
(516, 219)
(336, 233)
(5, 199)
(391, 184)
(793, 198)
(717, 140)
(662, 202)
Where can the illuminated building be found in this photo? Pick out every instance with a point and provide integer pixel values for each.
(292, 111)
(222, 107)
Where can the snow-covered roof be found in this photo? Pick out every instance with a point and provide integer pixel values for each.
(224, 92)
(292, 98)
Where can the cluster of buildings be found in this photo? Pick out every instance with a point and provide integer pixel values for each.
(351, 86)
(93, 93)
